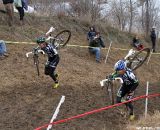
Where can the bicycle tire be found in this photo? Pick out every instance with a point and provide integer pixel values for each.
(36, 62)
(110, 92)
(147, 51)
(62, 44)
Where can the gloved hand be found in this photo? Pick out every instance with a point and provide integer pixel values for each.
(110, 77)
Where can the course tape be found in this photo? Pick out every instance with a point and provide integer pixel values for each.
(95, 111)
(70, 45)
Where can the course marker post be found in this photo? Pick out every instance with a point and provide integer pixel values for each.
(146, 102)
(150, 56)
(108, 51)
(56, 112)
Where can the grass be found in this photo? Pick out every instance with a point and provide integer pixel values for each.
(151, 121)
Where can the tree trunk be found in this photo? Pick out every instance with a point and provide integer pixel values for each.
(131, 16)
(143, 17)
(147, 18)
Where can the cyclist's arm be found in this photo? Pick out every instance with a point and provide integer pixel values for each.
(113, 76)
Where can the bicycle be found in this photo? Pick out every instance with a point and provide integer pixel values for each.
(109, 86)
(135, 59)
(35, 52)
(59, 41)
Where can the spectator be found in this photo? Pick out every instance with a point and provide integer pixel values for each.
(91, 34)
(3, 50)
(20, 5)
(136, 43)
(9, 9)
(153, 39)
(95, 45)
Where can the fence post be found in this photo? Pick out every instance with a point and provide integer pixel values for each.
(149, 56)
(146, 102)
(56, 112)
(108, 51)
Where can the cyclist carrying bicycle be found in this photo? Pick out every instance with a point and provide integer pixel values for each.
(53, 59)
(129, 85)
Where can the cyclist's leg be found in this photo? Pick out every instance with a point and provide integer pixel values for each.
(53, 74)
(50, 69)
(130, 96)
(121, 93)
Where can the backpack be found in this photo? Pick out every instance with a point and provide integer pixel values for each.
(18, 3)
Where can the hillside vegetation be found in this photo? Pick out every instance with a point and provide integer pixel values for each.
(150, 122)
(27, 101)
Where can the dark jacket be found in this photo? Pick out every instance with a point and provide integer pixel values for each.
(91, 35)
(97, 43)
(135, 42)
(153, 35)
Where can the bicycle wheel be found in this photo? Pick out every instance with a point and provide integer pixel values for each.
(62, 38)
(36, 62)
(110, 91)
(139, 58)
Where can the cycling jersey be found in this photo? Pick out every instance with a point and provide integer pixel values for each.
(51, 51)
(130, 83)
(128, 77)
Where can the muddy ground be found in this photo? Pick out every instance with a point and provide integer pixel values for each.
(28, 101)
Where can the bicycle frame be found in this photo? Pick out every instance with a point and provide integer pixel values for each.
(102, 82)
(35, 53)
(109, 86)
(134, 59)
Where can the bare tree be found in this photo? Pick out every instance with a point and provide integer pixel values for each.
(131, 16)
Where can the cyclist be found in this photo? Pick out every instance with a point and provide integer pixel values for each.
(129, 85)
(53, 59)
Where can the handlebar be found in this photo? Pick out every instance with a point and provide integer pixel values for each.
(105, 80)
(50, 30)
(130, 53)
(39, 51)
(28, 53)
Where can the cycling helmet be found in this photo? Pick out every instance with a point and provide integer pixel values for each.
(41, 40)
(120, 65)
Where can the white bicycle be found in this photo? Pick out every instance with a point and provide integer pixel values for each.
(134, 59)
(59, 41)
(108, 85)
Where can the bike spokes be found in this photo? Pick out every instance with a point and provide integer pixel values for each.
(63, 37)
(139, 58)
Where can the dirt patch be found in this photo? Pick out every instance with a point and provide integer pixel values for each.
(27, 101)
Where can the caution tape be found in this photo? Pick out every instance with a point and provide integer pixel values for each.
(95, 111)
(71, 45)
(11, 42)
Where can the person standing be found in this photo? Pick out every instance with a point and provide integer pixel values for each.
(9, 9)
(20, 6)
(153, 39)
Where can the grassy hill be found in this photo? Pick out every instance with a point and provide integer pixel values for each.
(27, 101)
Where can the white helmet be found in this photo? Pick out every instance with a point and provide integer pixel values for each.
(154, 27)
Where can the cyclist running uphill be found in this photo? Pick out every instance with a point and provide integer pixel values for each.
(53, 59)
(128, 87)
